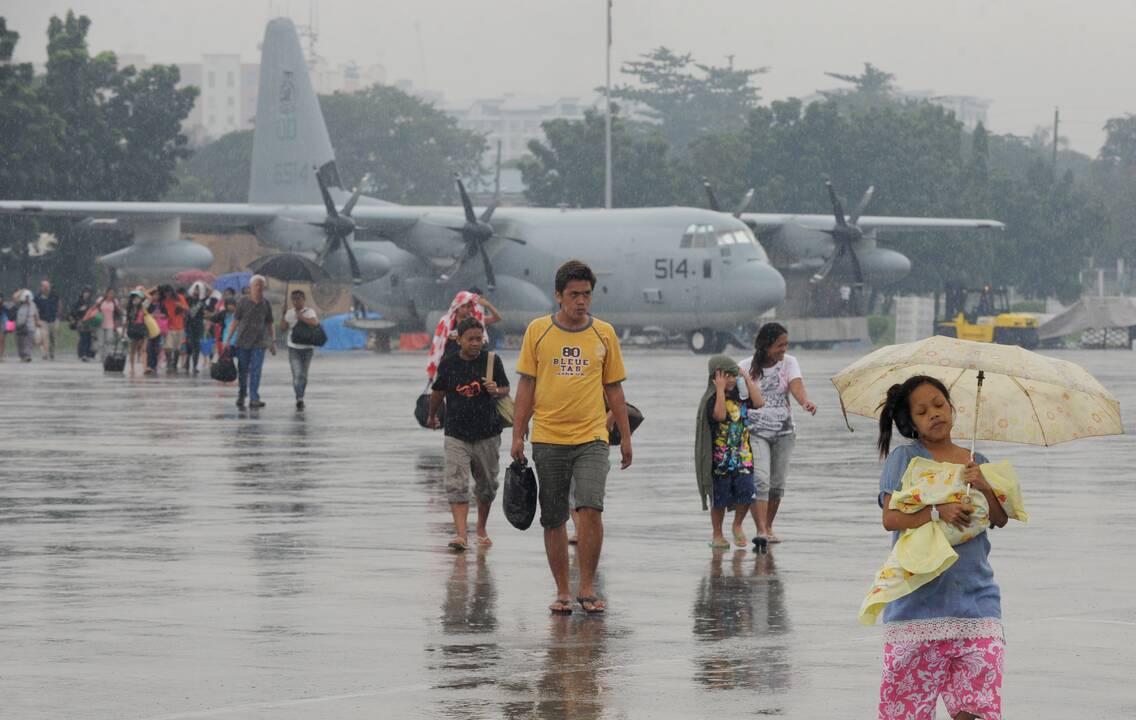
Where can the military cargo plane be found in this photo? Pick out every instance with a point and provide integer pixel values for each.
(687, 270)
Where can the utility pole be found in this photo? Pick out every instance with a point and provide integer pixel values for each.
(607, 113)
(1056, 124)
(497, 178)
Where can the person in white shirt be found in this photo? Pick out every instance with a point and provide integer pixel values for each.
(772, 433)
(299, 356)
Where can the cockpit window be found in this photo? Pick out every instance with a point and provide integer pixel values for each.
(736, 237)
(699, 236)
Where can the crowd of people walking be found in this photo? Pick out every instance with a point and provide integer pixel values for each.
(165, 328)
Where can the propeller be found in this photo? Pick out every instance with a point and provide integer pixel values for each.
(339, 226)
(742, 206)
(845, 234)
(476, 232)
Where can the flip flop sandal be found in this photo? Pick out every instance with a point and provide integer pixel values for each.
(561, 607)
(760, 544)
(740, 539)
(591, 600)
(484, 540)
(774, 539)
(458, 545)
(719, 546)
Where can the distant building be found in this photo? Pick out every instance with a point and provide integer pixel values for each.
(227, 101)
(514, 121)
(346, 77)
(968, 109)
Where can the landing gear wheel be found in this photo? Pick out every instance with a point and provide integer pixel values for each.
(707, 342)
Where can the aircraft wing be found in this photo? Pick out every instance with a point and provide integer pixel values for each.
(192, 215)
(381, 220)
(775, 221)
(868, 222)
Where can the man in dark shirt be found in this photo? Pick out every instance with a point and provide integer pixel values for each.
(473, 427)
(252, 332)
(47, 303)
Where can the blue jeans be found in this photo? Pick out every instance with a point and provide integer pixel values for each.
(300, 360)
(153, 349)
(249, 363)
(86, 345)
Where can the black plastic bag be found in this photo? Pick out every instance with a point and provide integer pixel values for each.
(422, 411)
(224, 370)
(520, 495)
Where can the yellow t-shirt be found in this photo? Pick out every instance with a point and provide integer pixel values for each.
(571, 367)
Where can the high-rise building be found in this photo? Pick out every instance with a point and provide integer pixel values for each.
(228, 89)
(514, 121)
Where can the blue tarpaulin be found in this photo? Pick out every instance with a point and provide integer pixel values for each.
(341, 337)
(234, 280)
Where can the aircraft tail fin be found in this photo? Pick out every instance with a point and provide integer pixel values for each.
(290, 137)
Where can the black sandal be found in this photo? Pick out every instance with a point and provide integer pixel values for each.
(761, 545)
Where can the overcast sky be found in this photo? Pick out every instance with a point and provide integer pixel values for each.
(1026, 56)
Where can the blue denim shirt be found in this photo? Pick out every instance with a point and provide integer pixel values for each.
(967, 589)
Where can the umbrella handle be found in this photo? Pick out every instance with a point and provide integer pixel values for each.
(844, 413)
(977, 405)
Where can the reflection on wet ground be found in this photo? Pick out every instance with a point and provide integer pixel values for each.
(741, 612)
(163, 555)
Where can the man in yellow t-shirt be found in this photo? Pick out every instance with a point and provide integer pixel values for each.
(570, 363)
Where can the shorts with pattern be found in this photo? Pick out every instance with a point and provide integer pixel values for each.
(479, 458)
(965, 672)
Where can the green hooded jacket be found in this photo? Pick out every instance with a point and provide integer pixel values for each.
(703, 438)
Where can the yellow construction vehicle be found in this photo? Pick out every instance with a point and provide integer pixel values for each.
(983, 315)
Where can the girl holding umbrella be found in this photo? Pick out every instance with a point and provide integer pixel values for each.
(950, 629)
(944, 638)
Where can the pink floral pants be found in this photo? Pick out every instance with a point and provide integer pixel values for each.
(967, 673)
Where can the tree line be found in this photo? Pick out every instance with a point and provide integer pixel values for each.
(919, 156)
(86, 129)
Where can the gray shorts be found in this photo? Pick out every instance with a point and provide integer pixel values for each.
(557, 466)
(480, 458)
(771, 464)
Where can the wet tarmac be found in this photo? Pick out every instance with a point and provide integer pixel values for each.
(164, 556)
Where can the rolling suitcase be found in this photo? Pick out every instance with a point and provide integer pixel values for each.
(115, 362)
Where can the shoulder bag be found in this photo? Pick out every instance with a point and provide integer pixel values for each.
(305, 334)
(505, 405)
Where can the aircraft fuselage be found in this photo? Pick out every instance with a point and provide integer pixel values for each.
(681, 269)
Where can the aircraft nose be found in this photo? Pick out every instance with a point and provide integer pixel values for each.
(760, 286)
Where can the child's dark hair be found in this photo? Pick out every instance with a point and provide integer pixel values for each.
(896, 408)
(299, 294)
(468, 324)
(574, 270)
(764, 340)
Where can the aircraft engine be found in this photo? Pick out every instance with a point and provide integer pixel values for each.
(157, 250)
(151, 260)
(883, 267)
(372, 264)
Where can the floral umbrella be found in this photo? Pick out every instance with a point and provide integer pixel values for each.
(1000, 392)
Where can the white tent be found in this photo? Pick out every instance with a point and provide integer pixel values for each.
(1091, 313)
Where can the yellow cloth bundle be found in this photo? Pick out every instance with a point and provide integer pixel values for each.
(922, 554)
